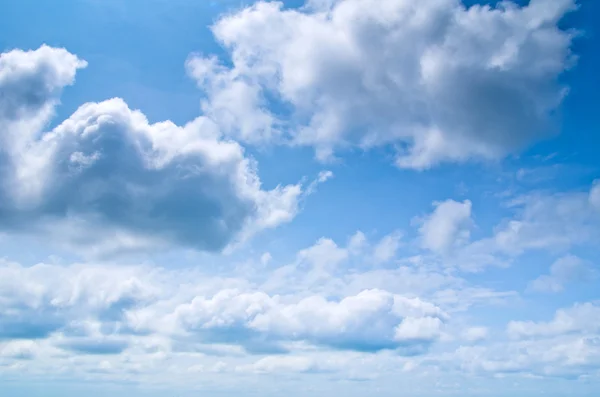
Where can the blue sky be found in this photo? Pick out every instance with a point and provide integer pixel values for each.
(330, 196)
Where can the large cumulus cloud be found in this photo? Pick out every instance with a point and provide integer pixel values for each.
(437, 79)
(107, 179)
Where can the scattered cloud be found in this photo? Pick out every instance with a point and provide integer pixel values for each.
(447, 227)
(563, 271)
(582, 318)
(476, 334)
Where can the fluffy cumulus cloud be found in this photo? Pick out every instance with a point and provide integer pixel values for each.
(372, 320)
(107, 179)
(440, 80)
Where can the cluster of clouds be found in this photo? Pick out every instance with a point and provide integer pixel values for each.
(435, 80)
(115, 321)
(54, 314)
(113, 303)
(567, 346)
(362, 298)
(540, 221)
(440, 81)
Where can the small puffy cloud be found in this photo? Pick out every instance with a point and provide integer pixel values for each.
(325, 254)
(582, 318)
(475, 334)
(447, 227)
(265, 258)
(31, 83)
(444, 81)
(564, 270)
(357, 242)
(107, 179)
(386, 248)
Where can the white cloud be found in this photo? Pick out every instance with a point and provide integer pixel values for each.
(447, 227)
(541, 221)
(582, 318)
(566, 357)
(476, 334)
(387, 247)
(325, 254)
(265, 258)
(564, 270)
(106, 310)
(140, 185)
(446, 81)
(18, 349)
(372, 320)
(282, 364)
(554, 222)
(416, 329)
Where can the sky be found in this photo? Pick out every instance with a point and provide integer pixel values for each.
(308, 197)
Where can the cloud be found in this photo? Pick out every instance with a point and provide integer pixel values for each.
(568, 358)
(447, 227)
(438, 80)
(564, 270)
(541, 221)
(566, 347)
(582, 318)
(37, 301)
(18, 349)
(31, 83)
(387, 247)
(106, 179)
(475, 334)
(553, 221)
(282, 364)
(370, 321)
(103, 310)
